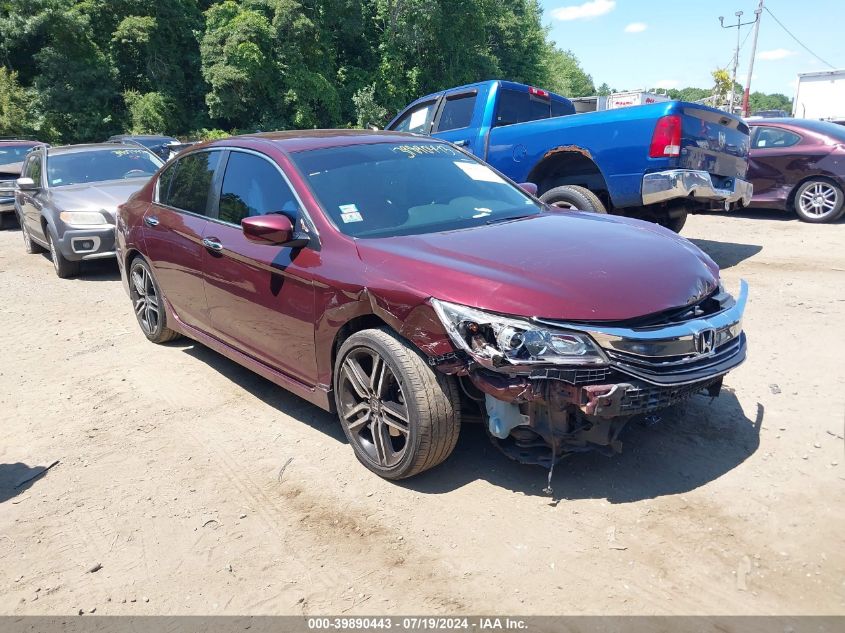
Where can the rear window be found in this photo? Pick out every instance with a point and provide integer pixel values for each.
(518, 107)
(834, 131)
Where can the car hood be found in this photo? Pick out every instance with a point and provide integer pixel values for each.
(567, 265)
(96, 196)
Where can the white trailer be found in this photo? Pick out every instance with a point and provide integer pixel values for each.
(633, 98)
(820, 95)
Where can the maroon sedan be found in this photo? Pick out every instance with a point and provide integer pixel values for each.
(798, 165)
(406, 285)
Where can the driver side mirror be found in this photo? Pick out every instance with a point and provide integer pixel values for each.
(27, 184)
(529, 187)
(273, 229)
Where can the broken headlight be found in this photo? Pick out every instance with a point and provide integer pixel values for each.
(497, 340)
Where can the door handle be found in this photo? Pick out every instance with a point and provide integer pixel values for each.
(212, 243)
(151, 221)
(463, 143)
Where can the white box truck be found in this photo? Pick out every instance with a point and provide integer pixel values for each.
(820, 95)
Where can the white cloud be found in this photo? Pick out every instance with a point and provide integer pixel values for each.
(588, 10)
(777, 53)
(636, 27)
(667, 84)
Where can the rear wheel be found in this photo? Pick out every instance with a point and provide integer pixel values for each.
(28, 245)
(401, 416)
(574, 197)
(148, 302)
(819, 201)
(64, 267)
(674, 223)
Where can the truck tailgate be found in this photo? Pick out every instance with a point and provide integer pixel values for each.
(713, 141)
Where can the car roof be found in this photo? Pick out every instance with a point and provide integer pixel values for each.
(784, 120)
(75, 149)
(131, 136)
(302, 140)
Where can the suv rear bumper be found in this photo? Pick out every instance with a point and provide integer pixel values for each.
(685, 183)
(7, 204)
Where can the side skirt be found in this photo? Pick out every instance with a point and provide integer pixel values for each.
(318, 396)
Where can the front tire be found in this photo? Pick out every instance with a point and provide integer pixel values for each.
(819, 202)
(65, 268)
(148, 302)
(574, 197)
(400, 415)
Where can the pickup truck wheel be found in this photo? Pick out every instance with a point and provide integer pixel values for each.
(819, 201)
(676, 223)
(574, 197)
(400, 415)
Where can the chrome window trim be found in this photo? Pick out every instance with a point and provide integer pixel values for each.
(675, 338)
(308, 226)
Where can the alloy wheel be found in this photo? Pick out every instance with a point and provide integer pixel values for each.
(373, 408)
(818, 200)
(145, 300)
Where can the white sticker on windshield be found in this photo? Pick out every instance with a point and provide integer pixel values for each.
(477, 171)
(349, 213)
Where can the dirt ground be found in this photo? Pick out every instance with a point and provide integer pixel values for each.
(169, 462)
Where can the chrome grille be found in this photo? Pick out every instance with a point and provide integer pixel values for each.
(681, 369)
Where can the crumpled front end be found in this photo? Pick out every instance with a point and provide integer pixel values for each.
(549, 388)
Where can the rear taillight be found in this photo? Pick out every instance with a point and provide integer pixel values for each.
(666, 140)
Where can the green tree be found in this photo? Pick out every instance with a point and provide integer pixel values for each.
(565, 75)
(16, 116)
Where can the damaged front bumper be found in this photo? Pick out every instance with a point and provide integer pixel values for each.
(546, 412)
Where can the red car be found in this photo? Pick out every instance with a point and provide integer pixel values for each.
(798, 165)
(406, 285)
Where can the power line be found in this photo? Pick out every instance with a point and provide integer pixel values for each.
(741, 46)
(797, 40)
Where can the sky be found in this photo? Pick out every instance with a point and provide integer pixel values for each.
(634, 44)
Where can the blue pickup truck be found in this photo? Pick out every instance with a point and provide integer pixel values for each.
(657, 162)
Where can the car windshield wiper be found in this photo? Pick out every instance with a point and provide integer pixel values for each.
(507, 218)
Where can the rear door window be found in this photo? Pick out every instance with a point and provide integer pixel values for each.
(457, 112)
(252, 185)
(774, 137)
(518, 107)
(417, 120)
(189, 185)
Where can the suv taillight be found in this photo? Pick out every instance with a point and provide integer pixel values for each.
(666, 140)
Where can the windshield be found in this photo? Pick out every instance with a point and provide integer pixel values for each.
(387, 189)
(100, 165)
(12, 154)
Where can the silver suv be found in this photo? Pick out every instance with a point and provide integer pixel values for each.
(66, 199)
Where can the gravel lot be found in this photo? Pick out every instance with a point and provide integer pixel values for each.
(169, 462)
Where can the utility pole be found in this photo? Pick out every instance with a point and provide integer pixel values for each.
(745, 96)
(736, 26)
